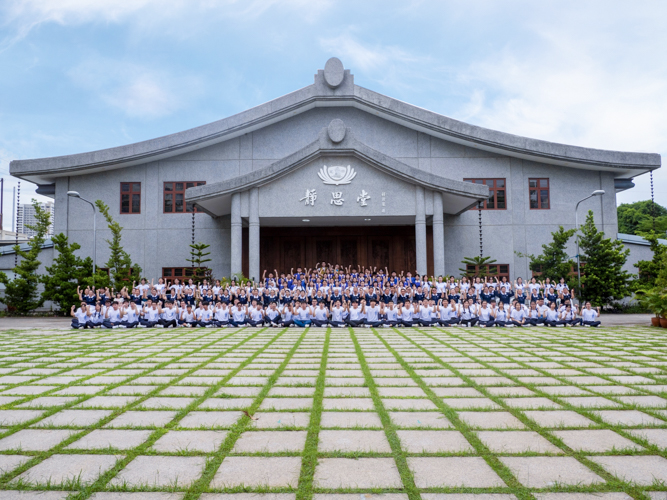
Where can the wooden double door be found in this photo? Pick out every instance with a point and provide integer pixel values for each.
(288, 248)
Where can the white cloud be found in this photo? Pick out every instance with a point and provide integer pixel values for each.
(566, 88)
(22, 16)
(136, 90)
(388, 65)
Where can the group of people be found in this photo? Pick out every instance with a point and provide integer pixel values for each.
(337, 297)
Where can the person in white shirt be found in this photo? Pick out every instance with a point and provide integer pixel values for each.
(239, 313)
(533, 316)
(150, 314)
(272, 315)
(406, 312)
(589, 316)
(518, 315)
(169, 315)
(96, 317)
(221, 315)
(425, 310)
(389, 315)
(303, 315)
(80, 316)
(337, 312)
(486, 315)
(287, 316)
(131, 317)
(205, 316)
(552, 317)
(188, 317)
(112, 317)
(256, 314)
(455, 313)
(372, 315)
(469, 313)
(568, 316)
(321, 313)
(502, 318)
(355, 312)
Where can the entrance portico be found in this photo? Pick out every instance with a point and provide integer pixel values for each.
(336, 181)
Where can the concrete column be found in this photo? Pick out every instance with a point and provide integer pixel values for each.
(253, 234)
(236, 250)
(420, 230)
(438, 236)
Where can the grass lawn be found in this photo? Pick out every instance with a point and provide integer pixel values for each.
(334, 414)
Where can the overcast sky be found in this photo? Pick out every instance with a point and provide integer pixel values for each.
(81, 75)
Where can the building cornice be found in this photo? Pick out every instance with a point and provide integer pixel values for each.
(323, 93)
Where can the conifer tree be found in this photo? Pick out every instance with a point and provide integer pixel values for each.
(554, 262)
(68, 272)
(198, 259)
(482, 264)
(602, 276)
(21, 292)
(122, 272)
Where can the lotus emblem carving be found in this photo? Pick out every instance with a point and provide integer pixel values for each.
(337, 175)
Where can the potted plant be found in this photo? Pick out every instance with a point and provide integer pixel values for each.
(655, 300)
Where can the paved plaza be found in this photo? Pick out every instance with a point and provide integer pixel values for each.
(334, 414)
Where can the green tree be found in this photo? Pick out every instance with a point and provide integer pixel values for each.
(122, 272)
(198, 259)
(554, 262)
(649, 269)
(603, 278)
(638, 216)
(21, 292)
(481, 263)
(68, 272)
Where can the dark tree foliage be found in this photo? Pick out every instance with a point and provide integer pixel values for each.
(122, 272)
(649, 269)
(68, 272)
(21, 294)
(554, 262)
(634, 218)
(603, 278)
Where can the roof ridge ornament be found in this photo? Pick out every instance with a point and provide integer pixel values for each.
(336, 130)
(334, 72)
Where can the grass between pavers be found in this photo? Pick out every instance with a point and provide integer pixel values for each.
(309, 460)
(613, 483)
(474, 347)
(482, 450)
(590, 413)
(390, 432)
(60, 449)
(202, 484)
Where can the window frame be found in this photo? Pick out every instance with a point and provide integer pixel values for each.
(129, 193)
(494, 192)
(186, 273)
(539, 189)
(473, 270)
(173, 192)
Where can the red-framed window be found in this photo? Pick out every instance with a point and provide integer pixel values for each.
(497, 189)
(170, 273)
(538, 191)
(497, 270)
(130, 197)
(174, 197)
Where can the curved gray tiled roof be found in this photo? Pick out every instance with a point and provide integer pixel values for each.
(329, 90)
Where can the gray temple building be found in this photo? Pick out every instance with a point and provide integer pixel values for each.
(338, 173)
